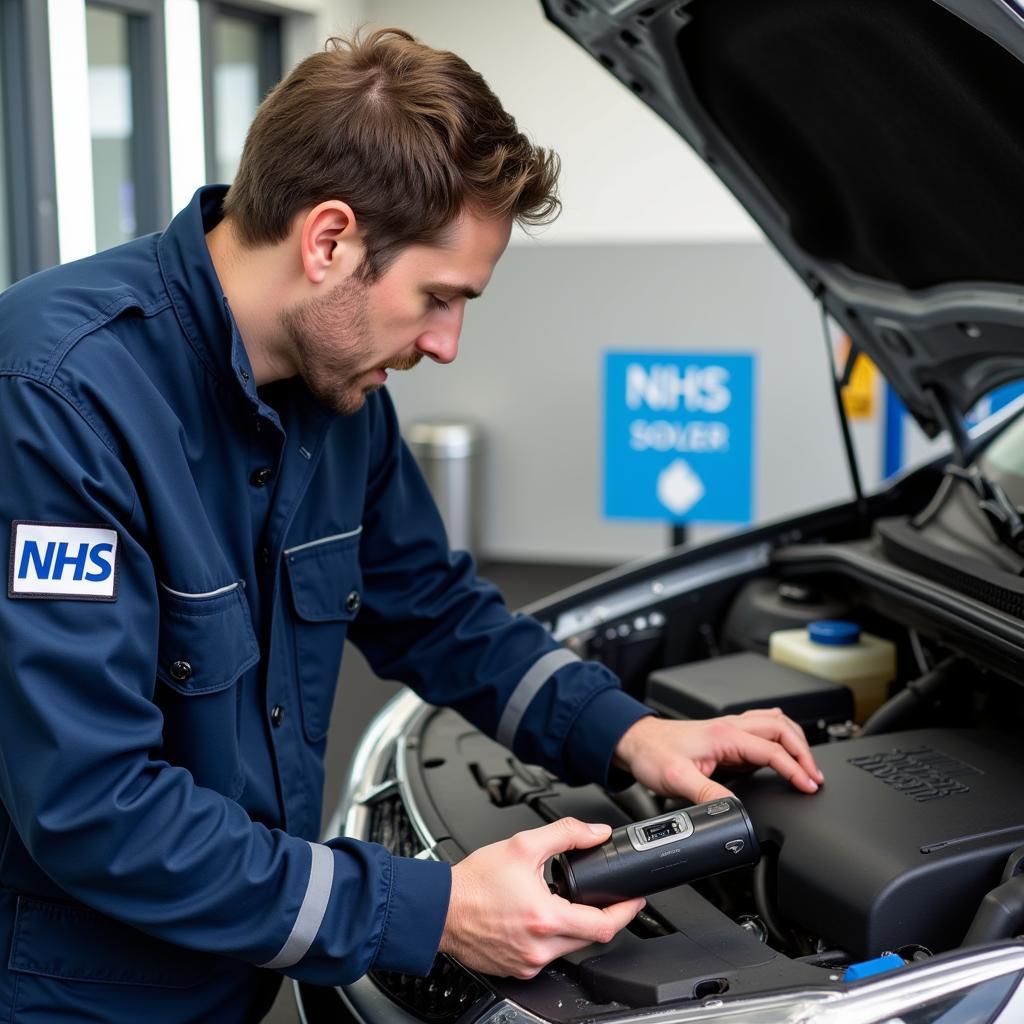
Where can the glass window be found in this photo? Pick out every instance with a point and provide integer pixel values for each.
(110, 111)
(244, 49)
(236, 88)
(28, 211)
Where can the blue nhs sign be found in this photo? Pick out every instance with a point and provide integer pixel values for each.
(678, 436)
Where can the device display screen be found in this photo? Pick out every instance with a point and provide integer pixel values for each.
(661, 830)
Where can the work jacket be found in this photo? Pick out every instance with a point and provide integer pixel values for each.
(186, 557)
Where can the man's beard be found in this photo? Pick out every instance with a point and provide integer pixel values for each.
(333, 344)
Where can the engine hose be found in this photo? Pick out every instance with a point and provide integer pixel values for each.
(637, 802)
(826, 958)
(1001, 914)
(765, 910)
(896, 711)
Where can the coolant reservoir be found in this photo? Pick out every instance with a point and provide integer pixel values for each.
(838, 651)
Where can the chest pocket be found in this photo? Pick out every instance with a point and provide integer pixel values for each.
(326, 588)
(206, 644)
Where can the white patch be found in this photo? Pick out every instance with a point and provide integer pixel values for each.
(679, 487)
(63, 561)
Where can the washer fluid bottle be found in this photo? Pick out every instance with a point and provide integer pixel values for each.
(838, 651)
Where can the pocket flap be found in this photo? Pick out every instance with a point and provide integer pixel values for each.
(325, 578)
(206, 642)
(72, 942)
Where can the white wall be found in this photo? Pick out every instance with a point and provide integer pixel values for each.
(530, 373)
(626, 176)
(643, 201)
(313, 21)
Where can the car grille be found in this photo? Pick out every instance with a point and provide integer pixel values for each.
(448, 990)
(443, 995)
(391, 826)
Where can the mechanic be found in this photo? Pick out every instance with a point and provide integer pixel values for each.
(204, 493)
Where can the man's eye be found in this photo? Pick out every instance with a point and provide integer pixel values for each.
(436, 303)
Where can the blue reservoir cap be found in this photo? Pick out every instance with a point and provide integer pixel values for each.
(834, 632)
(868, 968)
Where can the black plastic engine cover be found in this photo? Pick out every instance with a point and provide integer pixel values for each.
(899, 846)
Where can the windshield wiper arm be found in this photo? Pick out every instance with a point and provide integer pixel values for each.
(1003, 515)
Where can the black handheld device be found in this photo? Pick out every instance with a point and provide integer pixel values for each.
(659, 853)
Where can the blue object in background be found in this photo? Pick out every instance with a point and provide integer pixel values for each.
(834, 632)
(678, 436)
(895, 416)
(896, 419)
(869, 968)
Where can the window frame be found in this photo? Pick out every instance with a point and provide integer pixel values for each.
(29, 167)
(150, 147)
(270, 66)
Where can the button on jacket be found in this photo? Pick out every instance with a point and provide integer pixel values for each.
(186, 558)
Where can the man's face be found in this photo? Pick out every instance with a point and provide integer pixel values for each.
(344, 342)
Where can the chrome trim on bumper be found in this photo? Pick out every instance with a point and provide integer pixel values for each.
(869, 1003)
(368, 779)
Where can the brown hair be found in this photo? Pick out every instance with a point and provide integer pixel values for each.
(407, 135)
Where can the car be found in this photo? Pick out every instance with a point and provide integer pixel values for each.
(880, 147)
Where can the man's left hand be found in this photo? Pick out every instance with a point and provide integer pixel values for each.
(676, 758)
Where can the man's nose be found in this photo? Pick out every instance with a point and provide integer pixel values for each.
(440, 345)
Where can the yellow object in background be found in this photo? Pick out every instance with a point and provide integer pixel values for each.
(859, 394)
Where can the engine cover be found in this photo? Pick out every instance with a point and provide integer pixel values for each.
(899, 846)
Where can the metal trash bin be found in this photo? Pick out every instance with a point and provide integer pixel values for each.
(448, 452)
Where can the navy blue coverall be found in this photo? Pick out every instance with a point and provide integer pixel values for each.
(186, 556)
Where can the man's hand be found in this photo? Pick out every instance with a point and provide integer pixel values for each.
(676, 758)
(502, 919)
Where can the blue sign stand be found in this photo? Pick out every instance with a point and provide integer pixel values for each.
(678, 440)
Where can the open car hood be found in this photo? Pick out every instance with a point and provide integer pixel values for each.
(880, 146)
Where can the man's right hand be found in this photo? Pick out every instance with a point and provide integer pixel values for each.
(502, 918)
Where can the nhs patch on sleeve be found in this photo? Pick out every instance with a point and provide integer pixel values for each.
(66, 561)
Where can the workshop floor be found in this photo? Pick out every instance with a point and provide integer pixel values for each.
(361, 694)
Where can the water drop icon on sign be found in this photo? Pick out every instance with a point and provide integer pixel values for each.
(679, 487)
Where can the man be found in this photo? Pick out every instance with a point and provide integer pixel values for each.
(204, 492)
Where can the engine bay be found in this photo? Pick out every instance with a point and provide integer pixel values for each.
(914, 846)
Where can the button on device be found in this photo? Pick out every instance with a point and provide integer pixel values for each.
(276, 715)
(180, 671)
(353, 601)
(719, 808)
(261, 477)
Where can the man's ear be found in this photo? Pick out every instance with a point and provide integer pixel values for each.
(329, 241)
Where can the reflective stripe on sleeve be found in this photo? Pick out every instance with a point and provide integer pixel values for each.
(311, 913)
(528, 688)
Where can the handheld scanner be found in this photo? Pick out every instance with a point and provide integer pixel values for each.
(659, 853)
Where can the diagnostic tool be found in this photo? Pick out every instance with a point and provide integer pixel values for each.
(659, 853)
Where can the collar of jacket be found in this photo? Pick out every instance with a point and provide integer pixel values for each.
(202, 307)
(195, 290)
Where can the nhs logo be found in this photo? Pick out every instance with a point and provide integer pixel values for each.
(58, 561)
